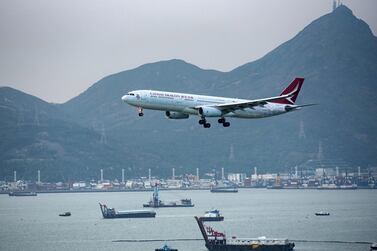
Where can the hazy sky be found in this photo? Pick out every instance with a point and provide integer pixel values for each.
(56, 49)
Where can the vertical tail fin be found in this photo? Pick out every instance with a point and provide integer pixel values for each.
(292, 90)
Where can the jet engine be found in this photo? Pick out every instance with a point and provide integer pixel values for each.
(176, 115)
(208, 111)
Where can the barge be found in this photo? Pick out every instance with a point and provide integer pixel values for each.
(22, 193)
(110, 213)
(224, 190)
(155, 202)
(217, 241)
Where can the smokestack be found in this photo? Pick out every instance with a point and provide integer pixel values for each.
(337, 171)
(173, 173)
(15, 176)
(123, 175)
(39, 176)
(101, 175)
(197, 174)
(358, 172)
(222, 174)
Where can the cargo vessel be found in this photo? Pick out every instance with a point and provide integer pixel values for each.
(155, 202)
(217, 241)
(22, 193)
(109, 213)
(224, 190)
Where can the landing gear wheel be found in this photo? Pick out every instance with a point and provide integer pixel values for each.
(202, 122)
(221, 121)
(207, 125)
(226, 124)
(140, 110)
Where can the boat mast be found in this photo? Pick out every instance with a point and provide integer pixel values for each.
(156, 200)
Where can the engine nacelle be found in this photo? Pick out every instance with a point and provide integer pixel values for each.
(208, 111)
(176, 115)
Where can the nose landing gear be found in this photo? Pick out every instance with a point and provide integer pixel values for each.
(140, 110)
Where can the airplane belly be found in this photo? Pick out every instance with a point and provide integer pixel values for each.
(260, 112)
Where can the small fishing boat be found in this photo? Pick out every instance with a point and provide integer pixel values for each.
(322, 213)
(212, 215)
(65, 214)
(166, 248)
(373, 246)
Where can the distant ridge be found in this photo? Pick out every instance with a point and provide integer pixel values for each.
(337, 55)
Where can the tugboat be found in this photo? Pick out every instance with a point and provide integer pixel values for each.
(166, 248)
(65, 214)
(110, 213)
(155, 202)
(322, 213)
(212, 215)
(217, 241)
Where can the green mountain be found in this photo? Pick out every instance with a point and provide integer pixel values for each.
(337, 55)
(36, 135)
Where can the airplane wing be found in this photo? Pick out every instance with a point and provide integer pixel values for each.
(248, 104)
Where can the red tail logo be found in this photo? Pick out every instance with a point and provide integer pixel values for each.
(292, 91)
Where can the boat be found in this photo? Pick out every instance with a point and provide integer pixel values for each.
(217, 241)
(321, 213)
(373, 246)
(65, 214)
(155, 202)
(224, 190)
(166, 248)
(109, 213)
(22, 193)
(212, 215)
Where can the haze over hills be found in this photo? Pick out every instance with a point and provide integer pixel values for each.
(36, 135)
(337, 55)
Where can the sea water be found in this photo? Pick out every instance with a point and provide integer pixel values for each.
(33, 223)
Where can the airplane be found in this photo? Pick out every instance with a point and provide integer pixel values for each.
(182, 105)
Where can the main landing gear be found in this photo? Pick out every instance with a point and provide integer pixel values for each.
(140, 110)
(222, 121)
(204, 122)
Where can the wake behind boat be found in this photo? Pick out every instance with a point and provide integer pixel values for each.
(109, 213)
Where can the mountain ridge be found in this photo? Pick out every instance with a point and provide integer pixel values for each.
(337, 55)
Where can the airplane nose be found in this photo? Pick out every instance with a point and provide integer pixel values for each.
(124, 98)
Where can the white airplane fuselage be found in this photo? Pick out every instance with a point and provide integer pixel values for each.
(186, 104)
(182, 105)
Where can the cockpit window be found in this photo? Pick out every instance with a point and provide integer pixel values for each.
(131, 94)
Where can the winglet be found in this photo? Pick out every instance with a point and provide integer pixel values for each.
(292, 91)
